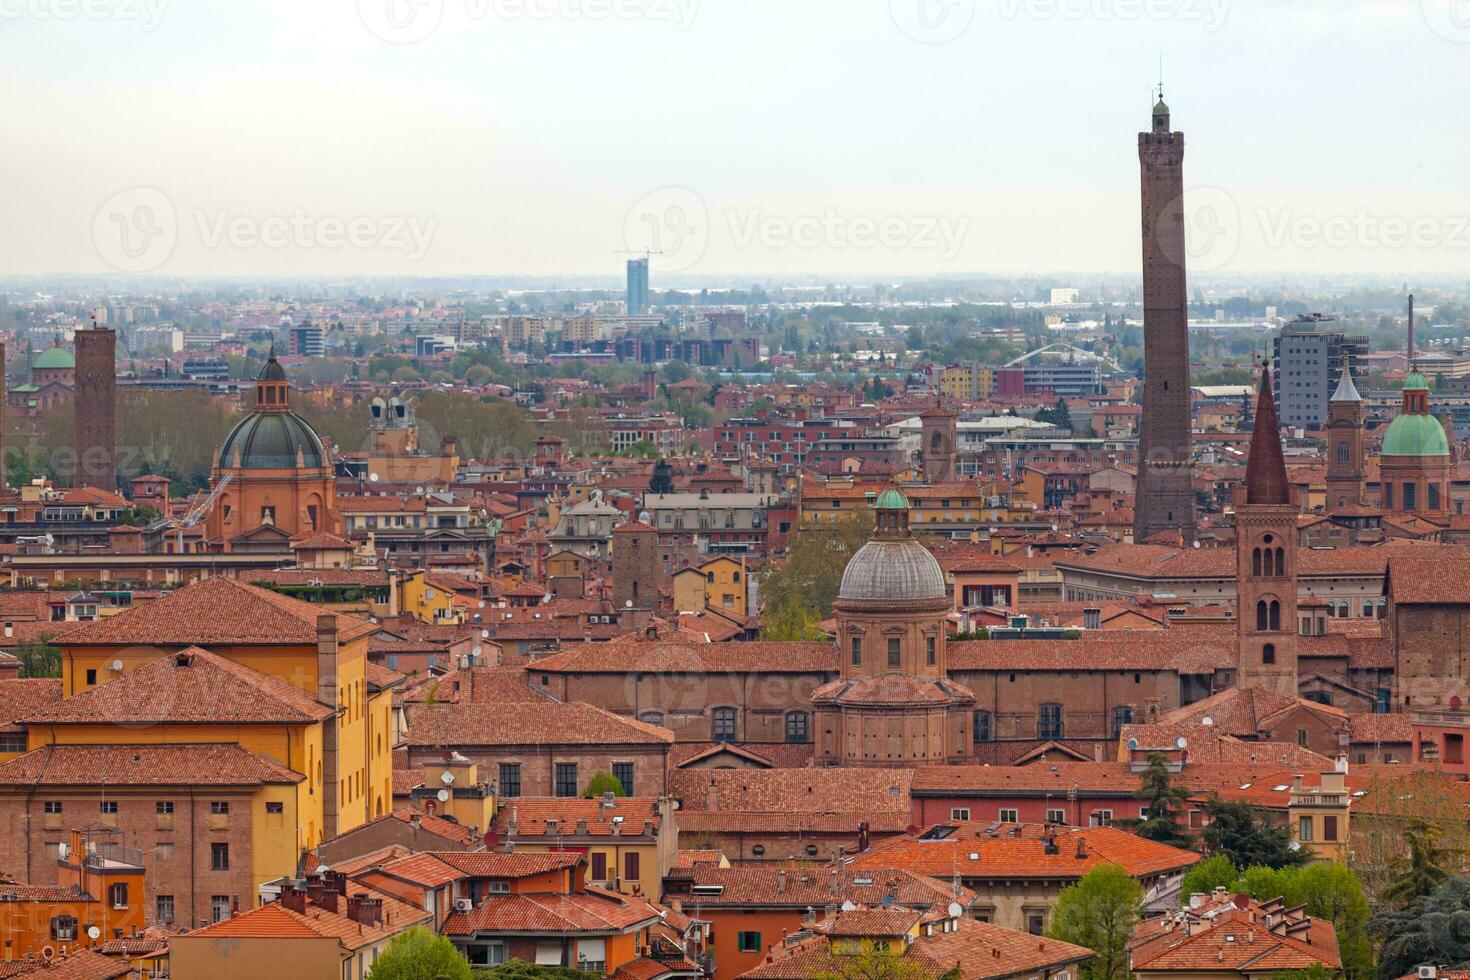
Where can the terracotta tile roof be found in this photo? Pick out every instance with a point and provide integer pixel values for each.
(1231, 940)
(1422, 579)
(644, 968)
(815, 799)
(80, 964)
(191, 686)
(688, 858)
(678, 658)
(1018, 851)
(594, 912)
(765, 755)
(1192, 649)
(22, 696)
(493, 864)
(422, 869)
(874, 922)
(274, 921)
(893, 688)
(542, 723)
(1056, 779)
(984, 951)
(224, 764)
(215, 612)
(479, 685)
(531, 814)
(380, 678)
(1393, 727)
(781, 884)
(16, 892)
(1249, 711)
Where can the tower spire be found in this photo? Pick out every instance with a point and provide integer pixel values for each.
(1265, 471)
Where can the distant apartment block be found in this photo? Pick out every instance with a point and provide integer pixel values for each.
(1310, 355)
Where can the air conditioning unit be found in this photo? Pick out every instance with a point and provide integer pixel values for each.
(464, 905)
(1428, 972)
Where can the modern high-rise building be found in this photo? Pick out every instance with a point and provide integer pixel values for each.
(1310, 358)
(638, 286)
(308, 340)
(1164, 500)
(95, 400)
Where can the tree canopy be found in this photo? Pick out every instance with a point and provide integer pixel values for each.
(1235, 831)
(1099, 912)
(1433, 928)
(420, 955)
(602, 782)
(1159, 821)
(799, 591)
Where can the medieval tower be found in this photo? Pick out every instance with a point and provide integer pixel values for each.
(1165, 492)
(95, 423)
(940, 435)
(1345, 445)
(1265, 559)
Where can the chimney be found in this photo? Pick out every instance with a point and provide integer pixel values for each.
(1092, 618)
(581, 828)
(326, 693)
(781, 882)
(294, 899)
(1196, 899)
(1411, 332)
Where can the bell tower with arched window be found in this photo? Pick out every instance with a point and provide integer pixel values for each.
(1265, 549)
(1345, 445)
(940, 435)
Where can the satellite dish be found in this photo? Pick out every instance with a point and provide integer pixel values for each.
(322, 869)
(1132, 744)
(117, 665)
(849, 907)
(373, 477)
(1207, 720)
(887, 901)
(484, 634)
(446, 777)
(443, 796)
(1182, 742)
(628, 604)
(956, 910)
(93, 932)
(1196, 544)
(476, 651)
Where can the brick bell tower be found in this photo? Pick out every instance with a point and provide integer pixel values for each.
(940, 435)
(1345, 445)
(1165, 491)
(95, 406)
(1265, 556)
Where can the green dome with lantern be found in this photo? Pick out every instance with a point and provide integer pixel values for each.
(1415, 433)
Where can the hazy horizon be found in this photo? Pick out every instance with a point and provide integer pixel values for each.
(889, 139)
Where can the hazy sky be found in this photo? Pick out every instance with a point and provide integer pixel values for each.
(844, 137)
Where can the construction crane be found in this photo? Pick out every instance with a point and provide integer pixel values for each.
(195, 515)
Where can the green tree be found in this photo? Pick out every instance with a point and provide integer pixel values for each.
(1099, 912)
(874, 964)
(674, 372)
(1235, 831)
(1422, 869)
(1165, 799)
(1207, 875)
(1057, 415)
(1330, 891)
(420, 955)
(801, 588)
(602, 782)
(38, 658)
(1433, 928)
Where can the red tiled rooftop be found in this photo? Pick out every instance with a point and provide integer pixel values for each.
(224, 764)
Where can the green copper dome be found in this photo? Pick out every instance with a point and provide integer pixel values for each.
(892, 499)
(55, 359)
(1415, 382)
(1415, 435)
(269, 441)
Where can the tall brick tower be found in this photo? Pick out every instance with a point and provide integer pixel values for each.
(95, 402)
(635, 566)
(1265, 555)
(1345, 445)
(940, 435)
(1165, 489)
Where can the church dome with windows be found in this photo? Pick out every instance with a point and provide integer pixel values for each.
(892, 566)
(272, 437)
(1414, 432)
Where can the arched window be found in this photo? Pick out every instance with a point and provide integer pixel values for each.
(1122, 715)
(1275, 615)
(1342, 454)
(1256, 561)
(1268, 653)
(651, 717)
(1434, 496)
(1263, 613)
(936, 444)
(1270, 566)
(982, 726)
(722, 725)
(798, 728)
(1049, 721)
(1367, 608)
(1382, 608)
(1280, 561)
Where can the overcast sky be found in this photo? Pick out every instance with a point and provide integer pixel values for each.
(780, 137)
